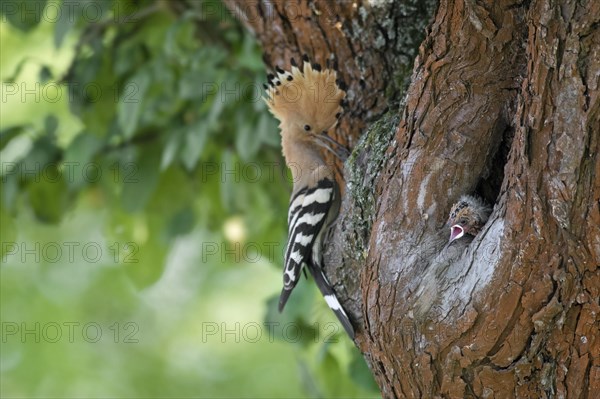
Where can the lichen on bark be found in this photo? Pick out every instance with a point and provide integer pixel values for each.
(362, 169)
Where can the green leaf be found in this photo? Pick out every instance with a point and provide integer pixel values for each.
(181, 223)
(262, 130)
(66, 21)
(45, 74)
(23, 14)
(195, 140)
(8, 232)
(250, 57)
(270, 135)
(48, 195)
(179, 44)
(50, 125)
(298, 331)
(218, 104)
(140, 179)
(197, 85)
(228, 179)
(43, 154)
(140, 252)
(309, 383)
(129, 56)
(7, 134)
(12, 78)
(171, 149)
(360, 373)
(10, 190)
(77, 160)
(249, 136)
(330, 374)
(175, 191)
(131, 101)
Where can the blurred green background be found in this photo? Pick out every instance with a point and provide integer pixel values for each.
(143, 213)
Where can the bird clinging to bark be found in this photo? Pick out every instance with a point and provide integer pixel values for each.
(467, 217)
(307, 102)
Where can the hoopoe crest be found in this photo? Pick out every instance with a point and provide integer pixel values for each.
(308, 103)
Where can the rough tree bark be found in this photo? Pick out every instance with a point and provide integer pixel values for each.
(504, 102)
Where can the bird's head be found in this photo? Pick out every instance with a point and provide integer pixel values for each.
(467, 217)
(307, 100)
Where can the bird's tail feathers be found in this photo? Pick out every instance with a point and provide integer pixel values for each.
(283, 298)
(331, 299)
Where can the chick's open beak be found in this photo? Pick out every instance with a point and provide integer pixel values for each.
(456, 232)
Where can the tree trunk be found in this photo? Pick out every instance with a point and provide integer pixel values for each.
(503, 102)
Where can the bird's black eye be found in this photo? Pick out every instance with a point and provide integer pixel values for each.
(307, 127)
(462, 221)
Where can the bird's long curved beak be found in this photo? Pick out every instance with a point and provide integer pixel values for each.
(456, 232)
(330, 144)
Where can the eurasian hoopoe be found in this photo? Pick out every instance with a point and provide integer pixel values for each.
(308, 102)
(467, 216)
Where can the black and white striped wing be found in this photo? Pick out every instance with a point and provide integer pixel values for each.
(307, 213)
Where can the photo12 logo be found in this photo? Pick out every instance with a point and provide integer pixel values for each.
(253, 332)
(69, 11)
(69, 252)
(69, 331)
(71, 172)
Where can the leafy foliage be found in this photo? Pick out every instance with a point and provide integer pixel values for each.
(143, 137)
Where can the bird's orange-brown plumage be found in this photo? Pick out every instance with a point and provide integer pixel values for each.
(307, 103)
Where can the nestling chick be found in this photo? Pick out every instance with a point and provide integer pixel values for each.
(467, 216)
